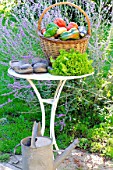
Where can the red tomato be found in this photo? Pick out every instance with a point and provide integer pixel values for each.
(72, 25)
(43, 30)
(60, 22)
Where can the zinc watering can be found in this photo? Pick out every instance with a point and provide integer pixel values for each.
(37, 152)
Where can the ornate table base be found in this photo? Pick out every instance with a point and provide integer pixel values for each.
(53, 102)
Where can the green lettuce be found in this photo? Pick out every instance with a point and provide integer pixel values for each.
(71, 63)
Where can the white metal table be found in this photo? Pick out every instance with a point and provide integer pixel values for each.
(54, 101)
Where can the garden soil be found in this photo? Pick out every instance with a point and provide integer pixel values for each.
(77, 160)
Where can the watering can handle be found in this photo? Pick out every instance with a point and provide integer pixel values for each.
(36, 131)
(17, 160)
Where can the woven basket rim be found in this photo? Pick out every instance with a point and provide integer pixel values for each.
(64, 42)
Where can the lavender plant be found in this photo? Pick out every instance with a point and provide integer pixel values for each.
(19, 39)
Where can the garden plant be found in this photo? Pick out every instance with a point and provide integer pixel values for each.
(85, 108)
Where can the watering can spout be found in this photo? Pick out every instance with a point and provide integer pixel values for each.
(66, 152)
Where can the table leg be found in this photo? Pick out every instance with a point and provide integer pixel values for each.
(41, 105)
(53, 110)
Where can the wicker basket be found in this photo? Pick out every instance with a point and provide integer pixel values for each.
(51, 46)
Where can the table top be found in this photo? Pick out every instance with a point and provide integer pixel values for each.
(45, 76)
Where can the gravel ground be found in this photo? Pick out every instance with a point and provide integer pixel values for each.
(77, 160)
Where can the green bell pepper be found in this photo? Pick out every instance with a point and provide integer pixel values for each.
(51, 30)
(51, 24)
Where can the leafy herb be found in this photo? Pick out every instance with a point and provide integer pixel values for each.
(71, 63)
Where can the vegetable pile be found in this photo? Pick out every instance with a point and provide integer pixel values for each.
(59, 30)
(71, 63)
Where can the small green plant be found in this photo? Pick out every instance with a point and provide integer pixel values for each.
(4, 157)
(71, 63)
(110, 142)
(109, 151)
(83, 143)
(96, 146)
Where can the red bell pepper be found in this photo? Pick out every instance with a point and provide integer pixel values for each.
(72, 25)
(60, 22)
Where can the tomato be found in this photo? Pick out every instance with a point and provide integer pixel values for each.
(72, 25)
(43, 30)
(60, 22)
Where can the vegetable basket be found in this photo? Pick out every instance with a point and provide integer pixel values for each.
(51, 46)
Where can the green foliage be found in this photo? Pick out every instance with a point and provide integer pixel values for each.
(83, 143)
(90, 114)
(109, 151)
(5, 10)
(4, 157)
(11, 135)
(96, 147)
(98, 1)
(71, 63)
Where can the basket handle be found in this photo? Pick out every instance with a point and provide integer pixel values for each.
(63, 3)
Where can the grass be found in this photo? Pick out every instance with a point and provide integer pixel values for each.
(4, 157)
(13, 131)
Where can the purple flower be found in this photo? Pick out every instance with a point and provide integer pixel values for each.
(38, 5)
(12, 24)
(60, 115)
(18, 35)
(62, 123)
(27, 57)
(28, 87)
(32, 1)
(15, 85)
(6, 31)
(24, 24)
(1, 21)
(2, 105)
(31, 93)
(22, 32)
(3, 63)
(55, 123)
(13, 57)
(14, 43)
(37, 39)
(9, 85)
(9, 100)
(15, 95)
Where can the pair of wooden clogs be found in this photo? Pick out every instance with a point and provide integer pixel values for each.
(37, 65)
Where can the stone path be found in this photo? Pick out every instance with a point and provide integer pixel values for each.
(78, 160)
